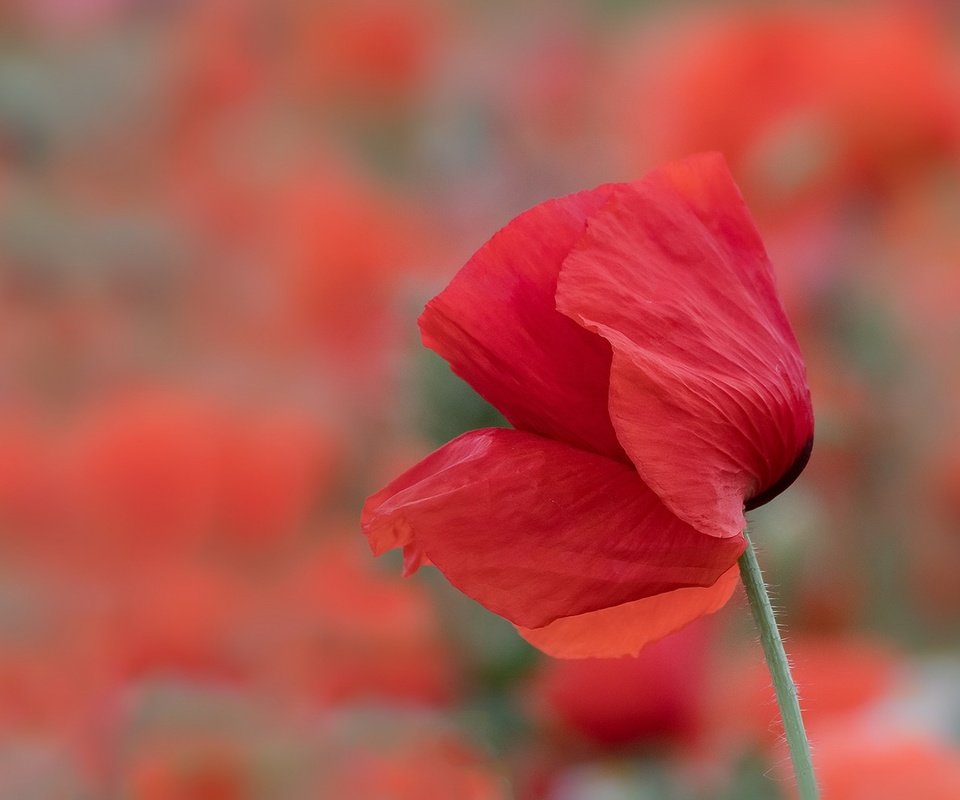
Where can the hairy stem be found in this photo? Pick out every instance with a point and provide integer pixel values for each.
(783, 685)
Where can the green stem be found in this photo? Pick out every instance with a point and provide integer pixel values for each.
(783, 685)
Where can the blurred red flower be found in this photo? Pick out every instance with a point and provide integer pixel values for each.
(306, 260)
(337, 244)
(657, 696)
(810, 104)
(189, 770)
(370, 52)
(172, 468)
(401, 759)
(276, 464)
(838, 677)
(179, 618)
(142, 470)
(332, 629)
(857, 762)
(25, 471)
(633, 336)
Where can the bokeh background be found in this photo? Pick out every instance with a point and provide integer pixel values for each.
(218, 222)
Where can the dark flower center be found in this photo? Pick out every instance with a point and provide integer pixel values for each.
(786, 479)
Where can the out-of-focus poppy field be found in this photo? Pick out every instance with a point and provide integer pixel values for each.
(219, 223)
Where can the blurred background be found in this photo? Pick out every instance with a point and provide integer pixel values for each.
(218, 222)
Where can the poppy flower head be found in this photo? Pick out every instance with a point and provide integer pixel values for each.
(814, 104)
(595, 699)
(633, 337)
(866, 761)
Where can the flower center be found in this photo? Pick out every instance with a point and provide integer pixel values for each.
(785, 480)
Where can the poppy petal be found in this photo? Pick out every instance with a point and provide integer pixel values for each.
(536, 530)
(708, 392)
(626, 629)
(498, 327)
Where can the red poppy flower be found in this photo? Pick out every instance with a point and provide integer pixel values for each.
(839, 677)
(595, 699)
(633, 336)
(334, 630)
(815, 106)
(885, 763)
(405, 757)
(194, 769)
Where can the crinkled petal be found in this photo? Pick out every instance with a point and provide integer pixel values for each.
(708, 393)
(626, 629)
(498, 327)
(536, 530)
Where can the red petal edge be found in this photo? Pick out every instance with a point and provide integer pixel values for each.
(536, 530)
(498, 327)
(708, 392)
(626, 629)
